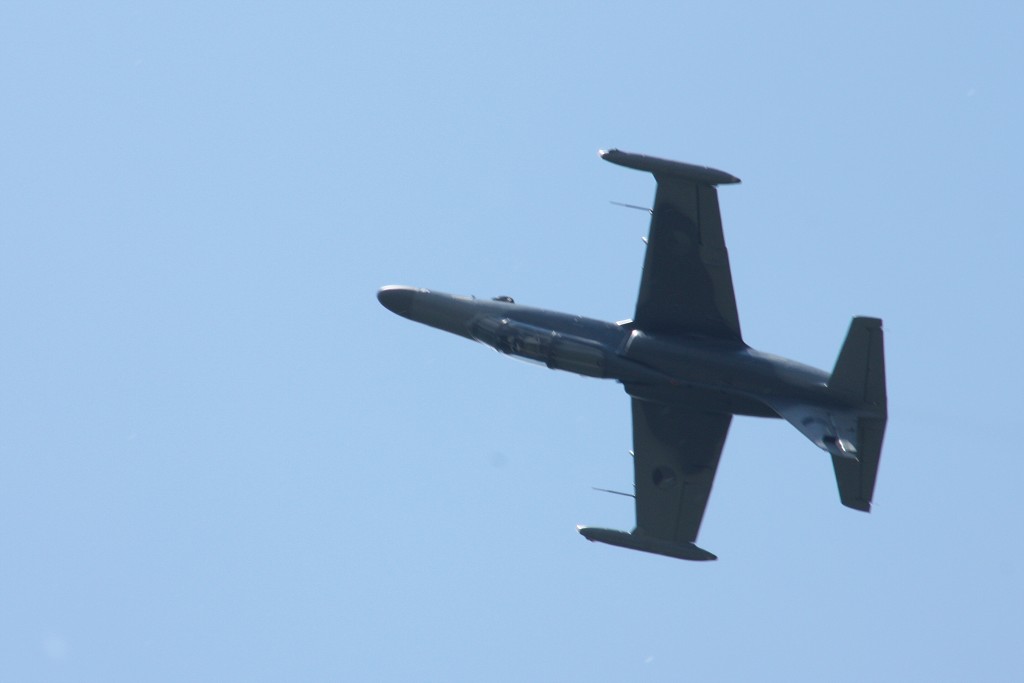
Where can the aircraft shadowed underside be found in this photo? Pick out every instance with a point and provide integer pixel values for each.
(683, 362)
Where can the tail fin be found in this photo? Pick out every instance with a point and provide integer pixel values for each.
(859, 377)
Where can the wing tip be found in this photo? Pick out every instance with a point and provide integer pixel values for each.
(704, 175)
(647, 544)
(861, 505)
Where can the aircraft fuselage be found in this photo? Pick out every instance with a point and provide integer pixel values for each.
(692, 370)
(683, 361)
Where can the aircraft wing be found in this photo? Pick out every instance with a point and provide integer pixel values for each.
(675, 456)
(686, 287)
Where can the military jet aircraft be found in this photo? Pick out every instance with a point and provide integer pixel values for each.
(683, 362)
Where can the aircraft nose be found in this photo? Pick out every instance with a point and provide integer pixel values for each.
(396, 298)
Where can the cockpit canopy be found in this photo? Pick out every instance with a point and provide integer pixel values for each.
(505, 299)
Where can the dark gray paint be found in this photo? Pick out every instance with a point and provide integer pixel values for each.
(683, 361)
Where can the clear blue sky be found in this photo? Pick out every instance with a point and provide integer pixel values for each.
(221, 459)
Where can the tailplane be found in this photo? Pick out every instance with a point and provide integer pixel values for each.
(859, 378)
(851, 428)
(859, 375)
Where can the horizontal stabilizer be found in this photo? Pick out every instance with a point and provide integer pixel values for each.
(852, 429)
(859, 374)
(680, 550)
(859, 377)
(702, 175)
(856, 478)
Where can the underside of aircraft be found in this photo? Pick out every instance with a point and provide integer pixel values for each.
(683, 362)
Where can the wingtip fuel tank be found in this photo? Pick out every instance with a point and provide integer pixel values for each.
(648, 544)
(658, 166)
